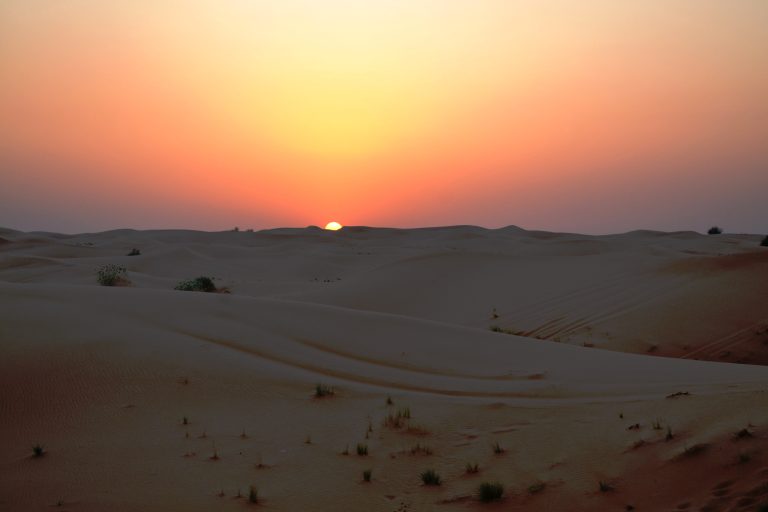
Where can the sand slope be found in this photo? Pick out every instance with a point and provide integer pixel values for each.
(104, 377)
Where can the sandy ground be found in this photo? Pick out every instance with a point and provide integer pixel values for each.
(610, 360)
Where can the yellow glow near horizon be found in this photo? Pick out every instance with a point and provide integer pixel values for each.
(333, 226)
(381, 112)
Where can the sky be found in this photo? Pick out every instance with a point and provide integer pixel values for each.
(591, 116)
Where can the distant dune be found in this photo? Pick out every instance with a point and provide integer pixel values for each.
(148, 398)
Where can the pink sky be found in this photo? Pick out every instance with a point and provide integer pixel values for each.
(591, 116)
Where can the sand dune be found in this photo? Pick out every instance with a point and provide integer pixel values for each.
(104, 377)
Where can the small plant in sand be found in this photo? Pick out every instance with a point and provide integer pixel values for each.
(471, 468)
(670, 436)
(253, 495)
(362, 449)
(764, 243)
(536, 488)
(656, 424)
(389, 400)
(322, 391)
(399, 418)
(421, 449)
(605, 486)
(367, 475)
(185, 421)
(134, 252)
(38, 450)
(742, 434)
(497, 448)
(714, 230)
(490, 491)
(430, 477)
(308, 439)
(111, 275)
(696, 449)
(215, 455)
(198, 284)
(496, 328)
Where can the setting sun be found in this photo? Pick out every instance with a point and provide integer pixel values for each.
(333, 226)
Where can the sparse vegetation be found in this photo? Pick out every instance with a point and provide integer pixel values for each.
(743, 434)
(497, 448)
(430, 477)
(185, 421)
(321, 391)
(764, 243)
(111, 275)
(420, 449)
(656, 424)
(490, 491)
(536, 488)
(367, 475)
(198, 284)
(670, 436)
(496, 328)
(362, 449)
(471, 468)
(389, 400)
(398, 419)
(696, 449)
(605, 486)
(253, 495)
(38, 450)
(714, 230)
(134, 252)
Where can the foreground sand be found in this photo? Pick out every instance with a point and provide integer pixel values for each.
(104, 377)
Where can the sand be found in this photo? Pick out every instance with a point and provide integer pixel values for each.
(611, 359)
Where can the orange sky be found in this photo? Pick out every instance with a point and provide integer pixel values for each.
(592, 116)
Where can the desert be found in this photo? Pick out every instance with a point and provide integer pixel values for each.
(620, 372)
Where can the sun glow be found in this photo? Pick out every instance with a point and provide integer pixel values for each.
(333, 226)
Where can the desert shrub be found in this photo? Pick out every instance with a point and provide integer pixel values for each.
(321, 390)
(398, 419)
(362, 449)
(430, 477)
(38, 450)
(490, 491)
(471, 468)
(253, 495)
(714, 230)
(420, 449)
(134, 252)
(497, 448)
(604, 486)
(367, 475)
(536, 488)
(111, 275)
(764, 243)
(198, 284)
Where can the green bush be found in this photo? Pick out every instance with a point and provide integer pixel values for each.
(490, 491)
(321, 391)
(198, 284)
(38, 450)
(430, 477)
(111, 275)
